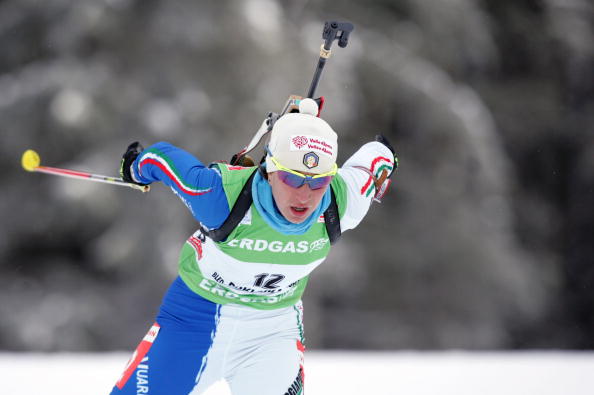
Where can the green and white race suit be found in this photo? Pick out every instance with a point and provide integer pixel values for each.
(260, 267)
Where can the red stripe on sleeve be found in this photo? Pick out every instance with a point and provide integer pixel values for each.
(173, 177)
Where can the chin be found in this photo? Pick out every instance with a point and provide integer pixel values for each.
(294, 219)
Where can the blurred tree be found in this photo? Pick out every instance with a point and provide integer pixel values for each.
(485, 241)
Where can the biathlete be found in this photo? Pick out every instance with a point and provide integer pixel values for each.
(235, 312)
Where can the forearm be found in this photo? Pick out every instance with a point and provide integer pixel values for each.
(199, 187)
(371, 159)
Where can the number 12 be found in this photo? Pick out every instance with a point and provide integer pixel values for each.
(268, 281)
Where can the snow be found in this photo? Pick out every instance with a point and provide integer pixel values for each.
(337, 372)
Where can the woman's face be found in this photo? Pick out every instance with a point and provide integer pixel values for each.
(295, 204)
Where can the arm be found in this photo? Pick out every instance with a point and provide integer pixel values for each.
(360, 187)
(199, 187)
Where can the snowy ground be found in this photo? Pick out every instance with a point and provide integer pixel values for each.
(410, 373)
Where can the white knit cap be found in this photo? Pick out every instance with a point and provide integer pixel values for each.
(303, 142)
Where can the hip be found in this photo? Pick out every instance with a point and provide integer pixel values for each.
(182, 307)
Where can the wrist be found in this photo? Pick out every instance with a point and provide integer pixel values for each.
(135, 174)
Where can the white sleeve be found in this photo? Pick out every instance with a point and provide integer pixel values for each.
(360, 188)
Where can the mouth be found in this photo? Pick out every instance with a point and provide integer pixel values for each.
(298, 211)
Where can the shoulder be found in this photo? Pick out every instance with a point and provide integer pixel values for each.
(339, 187)
(233, 178)
(233, 174)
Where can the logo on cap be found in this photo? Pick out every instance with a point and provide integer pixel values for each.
(299, 141)
(310, 160)
(319, 145)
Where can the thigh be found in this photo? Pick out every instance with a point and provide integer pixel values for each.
(275, 368)
(270, 361)
(171, 355)
(166, 361)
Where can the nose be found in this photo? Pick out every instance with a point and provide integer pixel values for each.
(303, 193)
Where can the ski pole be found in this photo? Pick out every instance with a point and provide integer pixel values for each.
(31, 162)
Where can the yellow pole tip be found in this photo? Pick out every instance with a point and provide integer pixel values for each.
(30, 160)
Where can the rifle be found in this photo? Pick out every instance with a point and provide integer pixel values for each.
(333, 30)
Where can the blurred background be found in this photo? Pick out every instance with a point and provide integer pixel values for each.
(485, 242)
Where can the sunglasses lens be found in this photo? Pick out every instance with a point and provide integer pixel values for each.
(295, 181)
(292, 180)
(317, 183)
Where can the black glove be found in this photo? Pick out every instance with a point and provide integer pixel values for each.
(380, 138)
(128, 159)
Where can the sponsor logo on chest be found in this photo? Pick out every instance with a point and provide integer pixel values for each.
(299, 247)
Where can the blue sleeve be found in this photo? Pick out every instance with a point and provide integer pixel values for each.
(199, 187)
